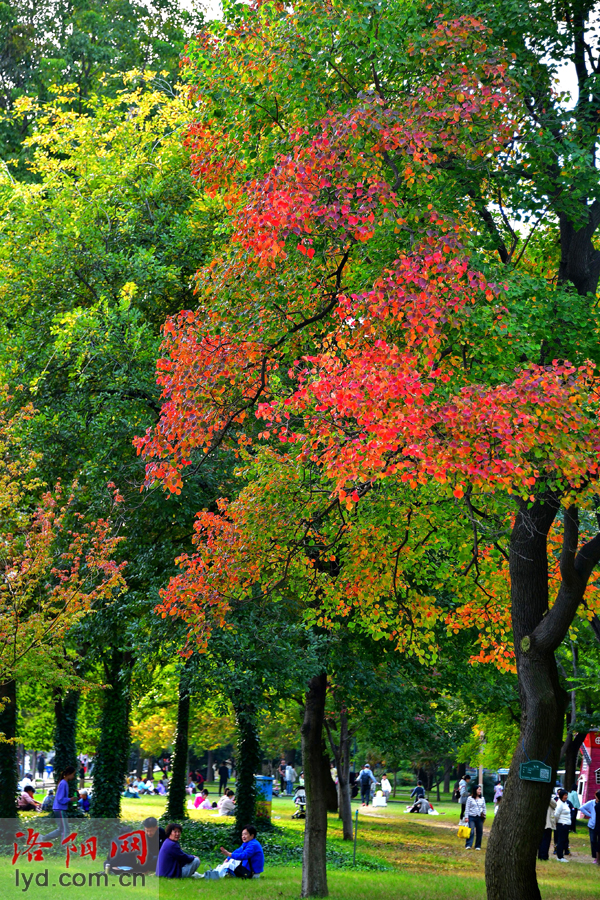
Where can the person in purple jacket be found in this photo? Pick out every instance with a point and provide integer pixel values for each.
(60, 806)
(172, 861)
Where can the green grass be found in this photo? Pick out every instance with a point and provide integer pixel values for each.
(408, 857)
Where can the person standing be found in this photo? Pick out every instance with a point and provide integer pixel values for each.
(41, 764)
(475, 812)
(418, 792)
(563, 826)
(223, 778)
(465, 787)
(386, 787)
(281, 773)
(575, 802)
(591, 811)
(544, 848)
(290, 777)
(60, 807)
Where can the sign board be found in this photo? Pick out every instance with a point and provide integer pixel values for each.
(534, 770)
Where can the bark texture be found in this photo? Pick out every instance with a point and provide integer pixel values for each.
(66, 707)
(314, 868)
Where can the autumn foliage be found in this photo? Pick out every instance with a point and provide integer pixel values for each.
(355, 347)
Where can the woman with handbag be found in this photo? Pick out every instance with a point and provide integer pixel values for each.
(475, 815)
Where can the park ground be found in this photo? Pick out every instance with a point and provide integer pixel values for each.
(400, 857)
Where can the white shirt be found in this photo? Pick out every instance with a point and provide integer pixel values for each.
(563, 813)
(290, 773)
(476, 807)
(385, 784)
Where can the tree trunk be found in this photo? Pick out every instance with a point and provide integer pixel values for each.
(177, 796)
(341, 753)
(395, 782)
(150, 769)
(209, 765)
(248, 764)
(518, 827)
(8, 751)
(447, 774)
(140, 766)
(66, 707)
(571, 753)
(331, 793)
(112, 757)
(314, 868)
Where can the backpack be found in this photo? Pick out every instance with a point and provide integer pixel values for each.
(365, 779)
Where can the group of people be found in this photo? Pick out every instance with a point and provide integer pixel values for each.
(287, 777)
(136, 787)
(561, 820)
(27, 802)
(168, 859)
(225, 805)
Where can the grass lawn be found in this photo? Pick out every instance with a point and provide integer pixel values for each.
(409, 857)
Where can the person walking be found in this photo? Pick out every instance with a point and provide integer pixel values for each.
(465, 788)
(41, 764)
(223, 778)
(575, 802)
(366, 778)
(498, 792)
(475, 812)
(544, 848)
(591, 811)
(60, 806)
(563, 826)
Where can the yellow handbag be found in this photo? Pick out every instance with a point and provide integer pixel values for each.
(464, 831)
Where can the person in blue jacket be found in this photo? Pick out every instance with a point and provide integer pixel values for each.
(172, 861)
(591, 810)
(248, 861)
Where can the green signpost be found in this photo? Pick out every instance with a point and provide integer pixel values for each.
(534, 770)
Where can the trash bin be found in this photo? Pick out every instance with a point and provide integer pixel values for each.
(264, 797)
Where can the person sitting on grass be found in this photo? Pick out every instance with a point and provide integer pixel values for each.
(26, 800)
(248, 861)
(84, 801)
(226, 805)
(202, 801)
(48, 801)
(172, 861)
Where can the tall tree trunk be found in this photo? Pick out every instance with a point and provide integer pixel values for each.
(66, 707)
(248, 764)
(447, 774)
(518, 827)
(140, 765)
(177, 795)
(331, 793)
(341, 753)
(314, 868)
(209, 765)
(112, 757)
(8, 751)
(150, 769)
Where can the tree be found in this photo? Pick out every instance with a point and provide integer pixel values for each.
(81, 43)
(403, 387)
(98, 250)
(53, 567)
